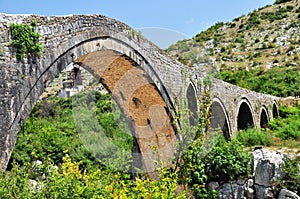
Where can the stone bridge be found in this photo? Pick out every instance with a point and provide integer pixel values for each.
(146, 83)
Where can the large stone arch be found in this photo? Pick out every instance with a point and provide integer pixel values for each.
(104, 57)
(219, 117)
(245, 117)
(264, 117)
(192, 104)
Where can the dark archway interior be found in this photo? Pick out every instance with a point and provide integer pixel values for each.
(275, 111)
(264, 119)
(245, 118)
(219, 120)
(192, 105)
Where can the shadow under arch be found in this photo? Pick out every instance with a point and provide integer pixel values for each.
(146, 94)
(275, 111)
(219, 119)
(192, 104)
(264, 117)
(245, 115)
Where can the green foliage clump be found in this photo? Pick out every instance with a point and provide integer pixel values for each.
(25, 40)
(278, 15)
(255, 137)
(278, 81)
(228, 160)
(253, 20)
(287, 127)
(291, 179)
(192, 171)
(54, 122)
(60, 135)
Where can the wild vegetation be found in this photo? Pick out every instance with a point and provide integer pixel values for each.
(78, 147)
(279, 81)
(25, 40)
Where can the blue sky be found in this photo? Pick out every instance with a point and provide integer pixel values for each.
(183, 18)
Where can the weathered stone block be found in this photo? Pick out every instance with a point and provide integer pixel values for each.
(286, 194)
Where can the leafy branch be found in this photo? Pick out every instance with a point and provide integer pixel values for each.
(25, 40)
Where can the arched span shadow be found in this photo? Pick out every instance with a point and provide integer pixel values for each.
(192, 104)
(275, 111)
(264, 117)
(219, 119)
(245, 115)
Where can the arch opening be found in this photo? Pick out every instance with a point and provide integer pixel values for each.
(245, 118)
(135, 93)
(219, 119)
(275, 111)
(140, 100)
(264, 119)
(192, 105)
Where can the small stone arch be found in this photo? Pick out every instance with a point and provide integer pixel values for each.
(245, 115)
(275, 111)
(192, 104)
(219, 117)
(264, 117)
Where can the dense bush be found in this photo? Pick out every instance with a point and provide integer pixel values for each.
(255, 137)
(25, 40)
(79, 126)
(226, 160)
(291, 179)
(287, 127)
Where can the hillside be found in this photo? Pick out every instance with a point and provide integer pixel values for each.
(265, 38)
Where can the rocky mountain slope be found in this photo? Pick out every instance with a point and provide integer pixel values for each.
(267, 37)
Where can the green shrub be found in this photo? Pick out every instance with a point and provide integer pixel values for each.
(254, 137)
(192, 171)
(227, 161)
(25, 40)
(53, 122)
(287, 127)
(291, 179)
